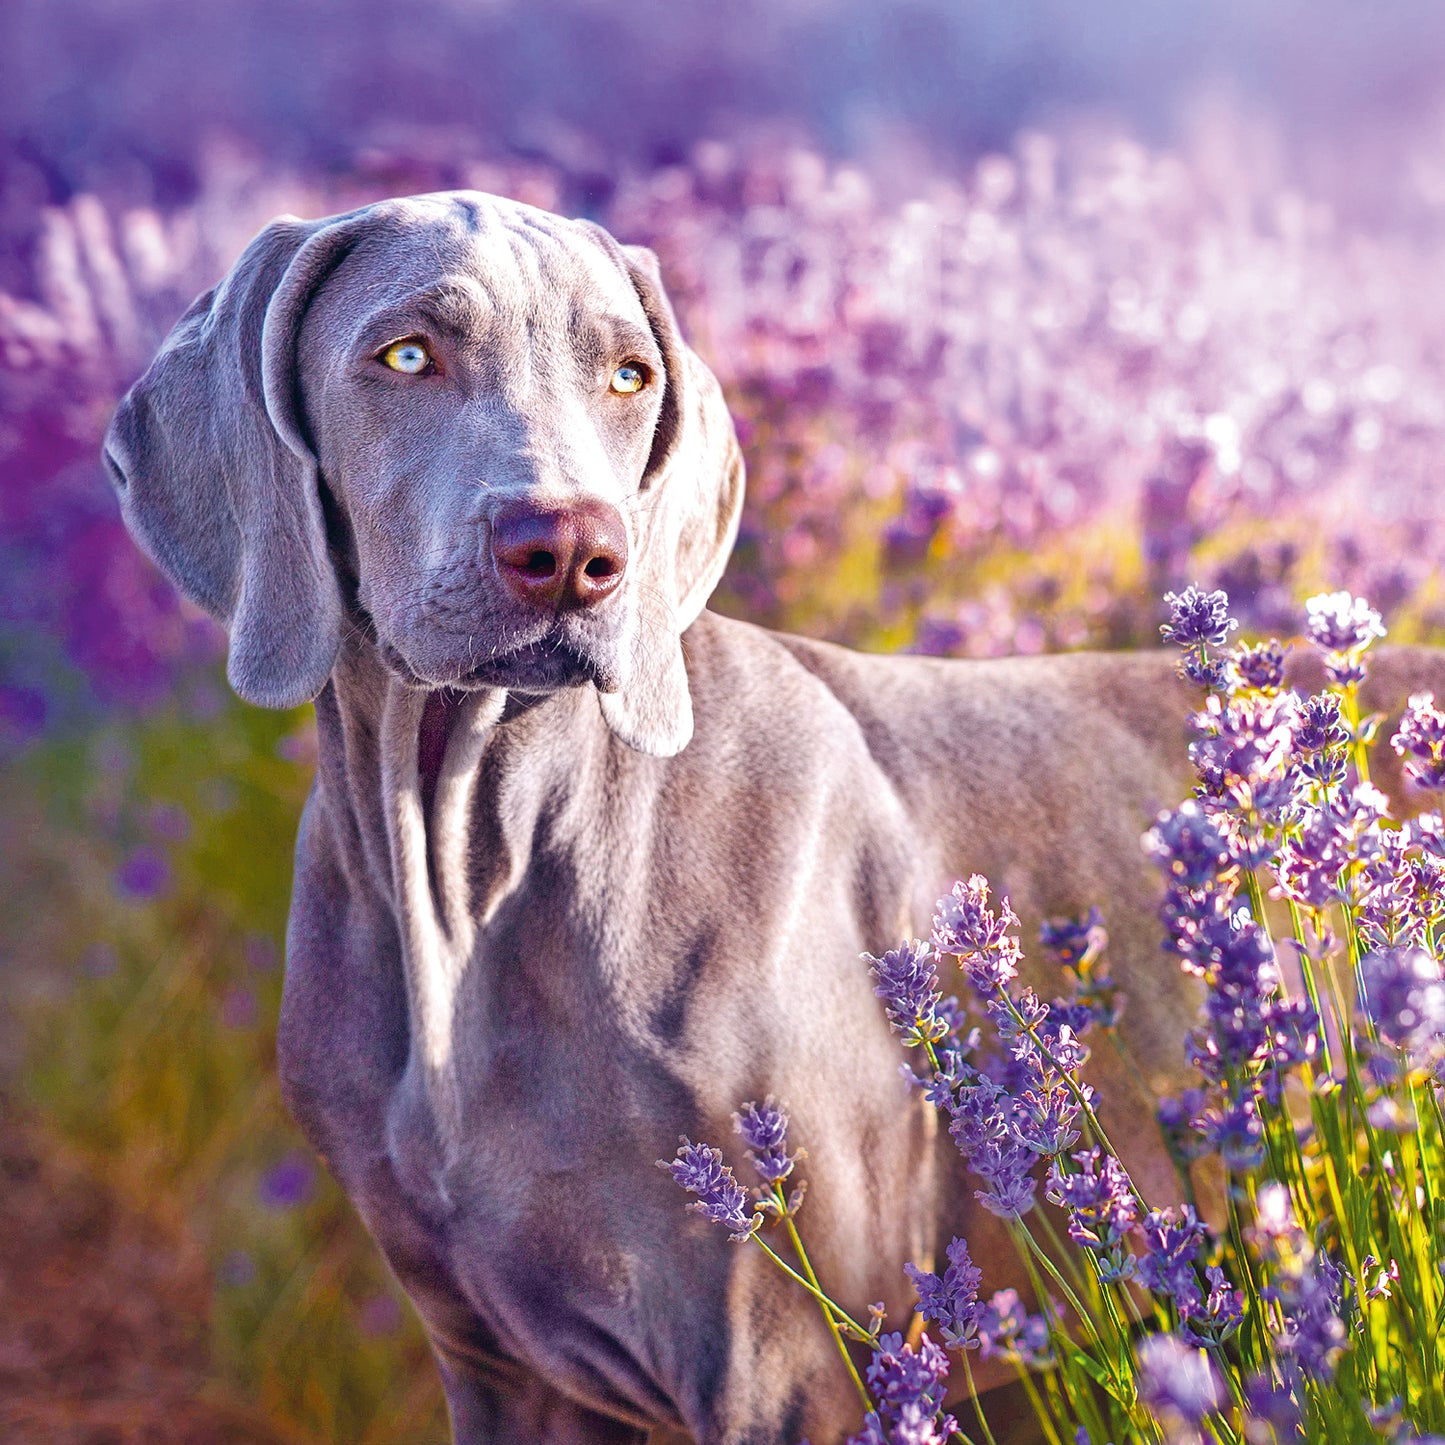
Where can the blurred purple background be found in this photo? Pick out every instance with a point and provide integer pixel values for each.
(1290, 149)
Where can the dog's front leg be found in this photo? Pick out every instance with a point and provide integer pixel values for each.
(489, 1408)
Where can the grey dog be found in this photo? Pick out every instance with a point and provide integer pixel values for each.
(585, 866)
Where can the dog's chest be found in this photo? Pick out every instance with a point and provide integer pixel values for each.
(545, 1222)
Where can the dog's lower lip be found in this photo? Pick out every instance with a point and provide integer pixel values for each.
(552, 665)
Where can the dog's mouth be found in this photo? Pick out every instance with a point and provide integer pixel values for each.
(543, 666)
(546, 664)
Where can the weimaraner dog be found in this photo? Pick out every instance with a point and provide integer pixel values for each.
(586, 866)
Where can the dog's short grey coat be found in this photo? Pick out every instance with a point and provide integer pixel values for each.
(568, 887)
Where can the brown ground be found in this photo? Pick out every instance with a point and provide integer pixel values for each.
(102, 1313)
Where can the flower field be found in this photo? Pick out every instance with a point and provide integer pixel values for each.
(1308, 1308)
(995, 399)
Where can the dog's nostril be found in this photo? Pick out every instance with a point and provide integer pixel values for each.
(559, 557)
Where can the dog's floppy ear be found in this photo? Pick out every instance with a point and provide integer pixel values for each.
(687, 520)
(217, 480)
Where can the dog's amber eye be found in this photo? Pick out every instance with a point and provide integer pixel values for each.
(629, 377)
(409, 357)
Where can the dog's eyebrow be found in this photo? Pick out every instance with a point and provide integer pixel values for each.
(625, 335)
(459, 308)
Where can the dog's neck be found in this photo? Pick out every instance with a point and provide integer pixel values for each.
(399, 769)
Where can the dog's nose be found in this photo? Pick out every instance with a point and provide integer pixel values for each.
(559, 557)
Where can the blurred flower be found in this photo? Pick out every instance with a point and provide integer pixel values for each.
(1072, 942)
(1186, 844)
(100, 960)
(237, 1269)
(1177, 1379)
(170, 822)
(288, 1183)
(1420, 740)
(380, 1316)
(1338, 622)
(259, 952)
(238, 1008)
(23, 712)
(1005, 1328)
(145, 874)
(1342, 627)
(1405, 996)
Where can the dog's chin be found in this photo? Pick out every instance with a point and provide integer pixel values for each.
(548, 665)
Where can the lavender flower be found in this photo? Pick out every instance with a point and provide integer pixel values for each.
(1074, 942)
(289, 1183)
(1319, 724)
(1342, 627)
(1197, 618)
(144, 875)
(1175, 1117)
(1259, 667)
(872, 1432)
(1273, 1403)
(1341, 623)
(909, 1386)
(1001, 1323)
(1404, 893)
(982, 941)
(1312, 862)
(700, 1170)
(1218, 1316)
(1420, 740)
(1172, 1238)
(1235, 1132)
(1006, 1329)
(1243, 757)
(765, 1132)
(906, 979)
(982, 1127)
(1043, 1117)
(1312, 1301)
(1307, 1286)
(1187, 846)
(951, 1302)
(1100, 1201)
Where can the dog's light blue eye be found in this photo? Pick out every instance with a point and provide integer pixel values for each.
(410, 357)
(629, 377)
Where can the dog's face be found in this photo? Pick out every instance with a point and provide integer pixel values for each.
(481, 416)
(483, 411)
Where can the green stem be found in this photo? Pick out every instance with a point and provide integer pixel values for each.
(844, 1318)
(1042, 1411)
(977, 1403)
(833, 1329)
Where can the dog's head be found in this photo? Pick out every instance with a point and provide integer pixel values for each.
(471, 421)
